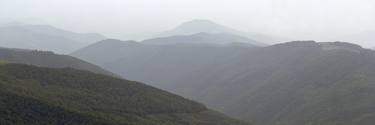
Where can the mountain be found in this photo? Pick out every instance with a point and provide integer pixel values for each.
(197, 26)
(142, 61)
(47, 59)
(44, 96)
(53, 31)
(110, 50)
(207, 26)
(204, 38)
(44, 37)
(293, 83)
(290, 84)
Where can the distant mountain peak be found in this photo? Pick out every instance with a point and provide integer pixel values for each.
(198, 26)
(203, 38)
(199, 22)
(208, 26)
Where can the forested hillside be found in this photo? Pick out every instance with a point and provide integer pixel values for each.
(44, 96)
(47, 59)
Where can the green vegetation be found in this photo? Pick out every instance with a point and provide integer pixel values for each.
(43, 96)
(47, 59)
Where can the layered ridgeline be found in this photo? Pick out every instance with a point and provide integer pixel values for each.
(47, 59)
(143, 61)
(44, 96)
(204, 38)
(207, 26)
(44, 37)
(293, 83)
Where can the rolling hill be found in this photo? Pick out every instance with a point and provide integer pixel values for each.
(293, 83)
(142, 61)
(44, 96)
(44, 37)
(47, 59)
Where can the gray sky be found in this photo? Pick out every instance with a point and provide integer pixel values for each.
(299, 19)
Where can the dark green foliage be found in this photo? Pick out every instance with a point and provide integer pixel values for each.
(47, 59)
(18, 110)
(32, 95)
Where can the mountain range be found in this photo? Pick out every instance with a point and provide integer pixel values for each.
(244, 75)
(44, 37)
(43, 88)
(48, 59)
(143, 60)
(207, 26)
(44, 96)
(294, 83)
(204, 38)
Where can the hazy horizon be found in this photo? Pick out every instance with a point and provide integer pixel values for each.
(321, 20)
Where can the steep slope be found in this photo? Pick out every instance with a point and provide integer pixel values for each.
(143, 62)
(207, 26)
(44, 37)
(47, 59)
(110, 50)
(204, 38)
(43, 96)
(291, 84)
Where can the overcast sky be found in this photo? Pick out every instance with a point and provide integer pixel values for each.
(299, 19)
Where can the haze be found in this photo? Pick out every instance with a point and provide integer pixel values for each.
(322, 20)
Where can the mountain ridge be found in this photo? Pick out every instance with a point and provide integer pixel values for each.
(48, 59)
(200, 25)
(44, 96)
(44, 37)
(300, 82)
(204, 38)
